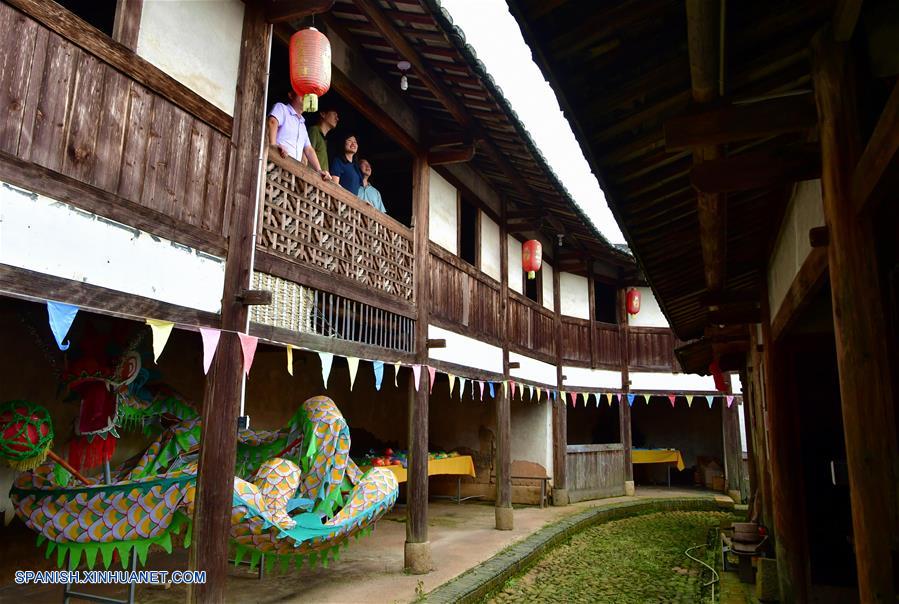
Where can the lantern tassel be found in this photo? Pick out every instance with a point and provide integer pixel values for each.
(531, 274)
(310, 103)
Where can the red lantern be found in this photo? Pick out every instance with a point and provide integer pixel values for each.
(310, 66)
(531, 257)
(633, 301)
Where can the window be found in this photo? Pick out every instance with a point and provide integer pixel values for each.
(605, 299)
(533, 288)
(468, 231)
(99, 13)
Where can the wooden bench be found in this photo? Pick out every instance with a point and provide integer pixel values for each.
(522, 470)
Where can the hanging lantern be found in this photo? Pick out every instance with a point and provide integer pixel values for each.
(531, 257)
(310, 66)
(633, 301)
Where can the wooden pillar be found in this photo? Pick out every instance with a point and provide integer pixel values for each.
(733, 450)
(560, 412)
(225, 382)
(503, 462)
(759, 433)
(787, 485)
(417, 555)
(591, 303)
(754, 500)
(859, 326)
(624, 416)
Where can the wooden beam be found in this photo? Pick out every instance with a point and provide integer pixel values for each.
(126, 26)
(442, 157)
(449, 139)
(807, 282)
(559, 409)
(437, 343)
(225, 381)
(417, 555)
(282, 11)
(744, 121)
(254, 297)
(866, 386)
(845, 17)
(877, 171)
(757, 170)
(503, 515)
(735, 315)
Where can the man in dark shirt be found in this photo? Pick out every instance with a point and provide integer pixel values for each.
(344, 170)
(327, 121)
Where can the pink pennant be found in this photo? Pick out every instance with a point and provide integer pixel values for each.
(210, 345)
(416, 375)
(671, 398)
(513, 388)
(248, 344)
(730, 401)
(432, 375)
(573, 397)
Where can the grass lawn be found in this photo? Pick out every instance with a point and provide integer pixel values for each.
(635, 560)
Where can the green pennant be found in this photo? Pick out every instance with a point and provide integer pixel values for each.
(50, 547)
(106, 550)
(165, 542)
(254, 559)
(142, 547)
(239, 553)
(75, 550)
(61, 552)
(90, 555)
(124, 550)
(40, 539)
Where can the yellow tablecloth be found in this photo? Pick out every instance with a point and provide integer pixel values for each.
(461, 465)
(657, 456)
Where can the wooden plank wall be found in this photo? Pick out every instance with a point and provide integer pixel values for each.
(594, 471)
(576, 341)
(463, 298)
(530, 328)
(606, 344)
(72, 113)
(651, 348)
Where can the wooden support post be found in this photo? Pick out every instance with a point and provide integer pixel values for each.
(126, 26)
(225, 382)
(417, 555)
(560, 410)
(624, 415)
(503, 462)
(787, 485)
(859, 326)
(758, 433)
(733, 450)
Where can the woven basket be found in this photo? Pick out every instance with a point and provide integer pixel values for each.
(291, 306)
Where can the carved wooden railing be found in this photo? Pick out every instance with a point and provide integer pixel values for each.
(576, 341)
(322, 226)
(652, 348)
(606, 344)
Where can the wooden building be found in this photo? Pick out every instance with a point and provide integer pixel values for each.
(748, 151)
(136, 183)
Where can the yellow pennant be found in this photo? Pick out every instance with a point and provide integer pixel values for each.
(689, 399)
(452, 382)
(353, 364)
(290, 359)
(396, 374)
(161, 332)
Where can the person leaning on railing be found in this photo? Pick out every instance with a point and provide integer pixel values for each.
(287, 131)
(367, 192)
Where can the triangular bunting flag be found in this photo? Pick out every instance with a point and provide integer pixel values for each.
(492, 391)
(210, 345)
(61, 318)
(378, 367)
(630, 399)
(327, 360)
(248, 345)
(462, 381)
(353, 364)
(689, 400)
(573, 396)
(452, 382)
(710, 398)
(161, 332)
(539, 394)
(730, 401)
(671, 398)
(290, 359)
(416, 375)
(396, 374)
(432, 375)
(481, 388)
(512, 384)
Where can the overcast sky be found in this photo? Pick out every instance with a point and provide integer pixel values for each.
(496, 38)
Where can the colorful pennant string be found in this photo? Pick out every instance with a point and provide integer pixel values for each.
(709, 398)
(161, 332)
(378, 368)
(671, 398)
(492, 391)
(462, 381)
(452, 382)
(416, 375)
(248, 346)
(432, 374)
(630, 399)
(689, 400)
(61, 317)
(730, 401)
(211, 338)
(290, 359)
(353, 364)
(396, 374)
(327, 359)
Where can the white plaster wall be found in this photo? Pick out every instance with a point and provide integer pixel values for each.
(466, 351)
(574, 296)
(516, 277)
(548, 296)
(40, 234)
(584, 377)
(197, 43)
(532, 433)
(650, 314)
(490, 248)
(443, 213)
(805, 211)
(671, 382)
(533, 370)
